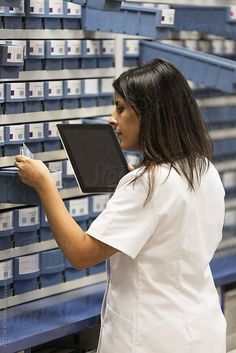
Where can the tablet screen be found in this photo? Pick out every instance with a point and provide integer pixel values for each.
(95, 155)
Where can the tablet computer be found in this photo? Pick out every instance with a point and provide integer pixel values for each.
(95, 154)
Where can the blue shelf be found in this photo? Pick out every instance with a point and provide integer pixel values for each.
(209, 19)
(130, 19)
(201, 68)
(44, 320)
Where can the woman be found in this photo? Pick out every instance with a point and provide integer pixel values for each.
(161, 227)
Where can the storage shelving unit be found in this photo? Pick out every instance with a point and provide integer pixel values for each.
(87, 292)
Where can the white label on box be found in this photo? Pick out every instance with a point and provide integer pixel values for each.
(28, 264)
(73, 87)
(1, 91)
(167, 17)
(217, 46)
(17, 9)
(21, 43)
(75, 121)
(132, 46)
(99, 202)
(36, 47)
(69, 168)
(108, 46)
(229, 179)
(15, 53)
(232, 12)
(55, 7)
(52, 128)
(2, 9)
(36, 131)
(55, 88)
(6, 221)
(191, 44)
(55, 166)
(79, 207)
(36, 89)
(6, 270)
(91, 86)
(2, 134)
(73, 9)
(37, 7)
(28, 216)
(106, 85)
(92, 47)
(204, 45)
(17, 90)
(230, 218)
(229, 46)
(57, 177)
(17, 132)
(57, 47)
(74, 47)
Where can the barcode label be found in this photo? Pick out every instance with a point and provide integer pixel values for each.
(20, 136)
(28, 264)
(5, 270)
(6, 221)
(79, 207)
(28, 216)
(58, 91)
(5, 225)
(22, 93)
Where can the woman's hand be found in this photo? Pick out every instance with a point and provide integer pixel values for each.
(33, 172)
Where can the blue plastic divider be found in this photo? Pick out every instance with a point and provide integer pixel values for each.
(135, 20)
(199, 67)
(209, 19)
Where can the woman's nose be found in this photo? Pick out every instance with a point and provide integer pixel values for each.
(112, 121)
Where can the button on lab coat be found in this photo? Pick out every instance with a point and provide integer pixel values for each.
(160, 295)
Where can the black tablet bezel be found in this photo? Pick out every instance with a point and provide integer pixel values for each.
(70, 154)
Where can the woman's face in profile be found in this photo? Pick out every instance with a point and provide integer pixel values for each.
(126, 124)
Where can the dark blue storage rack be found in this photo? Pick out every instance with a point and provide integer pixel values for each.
(108, 16)
(131, 19)
(44, 320)
(209, 19)
(199, 67)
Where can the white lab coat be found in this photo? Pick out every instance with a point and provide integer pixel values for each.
(160, 294)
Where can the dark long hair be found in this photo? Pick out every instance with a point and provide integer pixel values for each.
(171, 127)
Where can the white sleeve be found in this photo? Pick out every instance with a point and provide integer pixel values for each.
(126, 223)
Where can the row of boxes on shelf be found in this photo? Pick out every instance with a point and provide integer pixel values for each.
(29, 225)
(33, 272)
(62, 54)
(41, 14)
(38, 137)
(216, 46)
(20, 97)
(69, 54)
